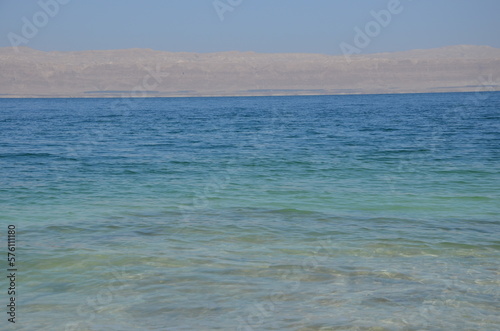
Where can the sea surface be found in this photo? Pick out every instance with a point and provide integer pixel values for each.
(372, 212)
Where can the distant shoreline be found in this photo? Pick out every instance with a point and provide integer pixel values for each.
(28, 73)
(157, 96)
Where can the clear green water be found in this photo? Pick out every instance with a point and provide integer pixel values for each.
(378, 212)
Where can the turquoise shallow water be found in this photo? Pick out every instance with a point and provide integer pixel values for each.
(377, 212)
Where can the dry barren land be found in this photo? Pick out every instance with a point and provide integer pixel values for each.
(25, 72)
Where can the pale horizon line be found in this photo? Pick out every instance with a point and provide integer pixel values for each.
(250, 51)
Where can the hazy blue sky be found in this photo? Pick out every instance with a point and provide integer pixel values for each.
(312, 26)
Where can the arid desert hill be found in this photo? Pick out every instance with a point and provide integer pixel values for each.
(25, 72)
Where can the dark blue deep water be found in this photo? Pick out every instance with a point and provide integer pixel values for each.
(374, 212)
